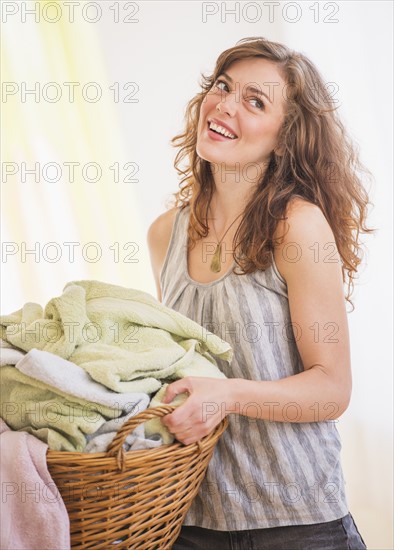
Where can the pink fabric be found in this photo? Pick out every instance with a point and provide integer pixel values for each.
(33, 514)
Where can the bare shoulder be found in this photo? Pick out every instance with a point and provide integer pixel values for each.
(302, 220)
(303, 234)
(158, 238)
(160, 229)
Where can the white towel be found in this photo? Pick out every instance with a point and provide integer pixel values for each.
(98, 441)
(71, 379)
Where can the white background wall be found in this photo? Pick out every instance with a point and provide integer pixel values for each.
(163, 52)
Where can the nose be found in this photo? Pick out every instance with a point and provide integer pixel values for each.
(228, 103)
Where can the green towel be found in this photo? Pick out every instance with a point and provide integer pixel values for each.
(58, 419)
(124, 338)
(154, 426)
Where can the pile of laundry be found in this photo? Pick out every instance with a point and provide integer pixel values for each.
(71, 374)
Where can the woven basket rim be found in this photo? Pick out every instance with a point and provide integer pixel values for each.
(54, 456)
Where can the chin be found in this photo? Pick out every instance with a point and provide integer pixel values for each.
(203, 154)
(207, 154)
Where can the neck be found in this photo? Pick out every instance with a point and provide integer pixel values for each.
(232, 193)
(226, 205)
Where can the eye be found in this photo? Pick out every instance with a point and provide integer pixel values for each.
(260, 104)
(218, 82)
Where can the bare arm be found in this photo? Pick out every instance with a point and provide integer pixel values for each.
(158, 238)
(317, 308)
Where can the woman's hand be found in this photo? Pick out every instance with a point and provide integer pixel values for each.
(208, 403)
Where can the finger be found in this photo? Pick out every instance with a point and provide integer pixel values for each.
(187, 440)
(181, 436)
(189, 437)
(192, 433)
(190, 440)
(180, 417)
(175, 388)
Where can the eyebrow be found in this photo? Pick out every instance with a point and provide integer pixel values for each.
(249, 88)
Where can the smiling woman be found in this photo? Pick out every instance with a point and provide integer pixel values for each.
(257, 123)
(271, 182)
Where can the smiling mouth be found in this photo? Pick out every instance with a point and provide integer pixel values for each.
(220, 130)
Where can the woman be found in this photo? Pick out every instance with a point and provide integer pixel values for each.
(262, 237)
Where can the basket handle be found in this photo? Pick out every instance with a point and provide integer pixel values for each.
(115, 448)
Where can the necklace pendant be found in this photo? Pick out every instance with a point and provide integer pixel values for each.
(215, 263)
(216, 260)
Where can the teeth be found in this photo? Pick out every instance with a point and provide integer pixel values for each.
(221, 130)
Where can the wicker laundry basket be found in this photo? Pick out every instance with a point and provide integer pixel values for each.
(133, 499)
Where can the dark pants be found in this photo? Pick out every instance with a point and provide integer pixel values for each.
(340, 534)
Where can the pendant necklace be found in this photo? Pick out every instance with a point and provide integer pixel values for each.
(216, 260)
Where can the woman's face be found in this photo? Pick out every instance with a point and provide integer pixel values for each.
(254, 119)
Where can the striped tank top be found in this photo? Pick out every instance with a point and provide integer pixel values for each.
(262, 473)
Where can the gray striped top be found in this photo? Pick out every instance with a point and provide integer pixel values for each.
(263, 473)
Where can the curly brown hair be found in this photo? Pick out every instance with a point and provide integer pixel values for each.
(317, 162)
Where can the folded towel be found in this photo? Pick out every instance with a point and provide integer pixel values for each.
(60, 420)
(33, 514)
(72, 380)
